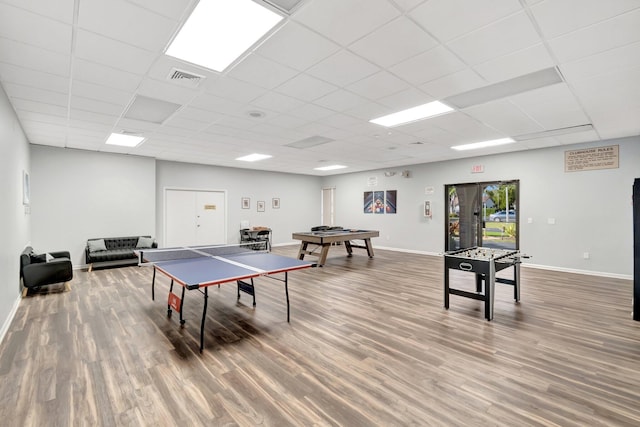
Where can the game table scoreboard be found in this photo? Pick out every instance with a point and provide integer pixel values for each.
(484, 263)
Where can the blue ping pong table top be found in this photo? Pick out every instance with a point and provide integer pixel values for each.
(213, 270)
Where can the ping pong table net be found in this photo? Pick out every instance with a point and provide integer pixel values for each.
(191, 252)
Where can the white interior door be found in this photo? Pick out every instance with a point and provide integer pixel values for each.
(210, 218)
(194, 218)
(328, 208)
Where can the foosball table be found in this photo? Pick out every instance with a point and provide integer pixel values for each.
(484, 263)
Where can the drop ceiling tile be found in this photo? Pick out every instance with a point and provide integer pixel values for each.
(378, 85)
(100, 93)
(600, 63)
(448, 19)
(88, 116)
(35, 30)
(428, 66)
(262, 72)
(389, 44)
(466, 127)
(233, 89)
(92, 105)
(311, 112)
(342, 69)
(609, 34)
(121, 20)
(553, 107)
(407, 5)
(277, 102)
(23, 76)
(616, 122)
(339, 121)
(490, 42)
(197, 114)
(60, 10)
(90, 72)
(172, 9)
(297, 47)
(345, 21)
(615, 90)
(504, 117)
(166, 91)
(115, 54)
(217, 104)
(25, 105)
(36, 94)
(340, 100)
(551, 16)
(368, 111)
(33, 117)
(515, 64)
(406, 99)
(34, 58)
(287, 121)
(453, 84)
(306, 88)
(575, 138)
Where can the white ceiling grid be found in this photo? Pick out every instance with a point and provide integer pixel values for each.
(71, 68)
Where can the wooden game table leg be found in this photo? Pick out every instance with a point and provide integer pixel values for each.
(324, 253)
(347, 246)
(369, 246)
(302, 250)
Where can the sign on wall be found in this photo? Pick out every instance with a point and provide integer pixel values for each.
(592, 159)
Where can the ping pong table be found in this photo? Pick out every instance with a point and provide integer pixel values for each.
(198, 267)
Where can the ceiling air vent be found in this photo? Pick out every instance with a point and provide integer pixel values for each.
(184, 77)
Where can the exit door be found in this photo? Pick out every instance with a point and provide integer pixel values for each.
(194, 217)
(482, 214)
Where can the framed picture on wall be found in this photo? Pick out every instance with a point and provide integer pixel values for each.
(246, 203)
(260, 205)
(275, 203)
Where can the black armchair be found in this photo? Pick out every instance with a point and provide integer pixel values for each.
(36, 271)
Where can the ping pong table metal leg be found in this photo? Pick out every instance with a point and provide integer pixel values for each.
(204, 316)
(286, 291)
(169, 305)
(516, 280)
(182, 306)
(153, 285)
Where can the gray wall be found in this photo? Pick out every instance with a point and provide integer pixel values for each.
(14, 221)
(299, 196)
(79, 194)
(592, 209)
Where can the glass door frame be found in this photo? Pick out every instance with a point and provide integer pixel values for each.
(480, 211)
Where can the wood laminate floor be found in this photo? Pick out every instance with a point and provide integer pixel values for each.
(369, 344)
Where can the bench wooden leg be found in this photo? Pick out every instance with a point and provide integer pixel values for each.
(67, 286)
(24, 292)
(90, 267)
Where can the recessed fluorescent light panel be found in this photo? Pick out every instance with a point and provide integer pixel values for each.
(219, 31)
(483, 144)
(329, 168)
(414, 114)
(124, 140)
(254, 157)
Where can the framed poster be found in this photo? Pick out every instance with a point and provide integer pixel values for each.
(391, 197)
(275, 203)
(378, 202)
(260, 205)
(245, 203)
(367, 202)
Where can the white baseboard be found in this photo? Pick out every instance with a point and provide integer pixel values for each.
(577, 271)
(9, 319)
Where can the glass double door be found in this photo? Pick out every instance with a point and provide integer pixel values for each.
(482, 214)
